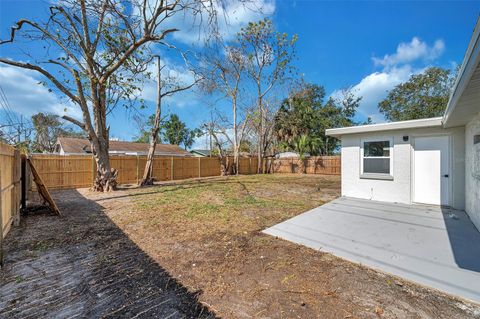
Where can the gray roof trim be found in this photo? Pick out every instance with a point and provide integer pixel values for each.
(412, 124)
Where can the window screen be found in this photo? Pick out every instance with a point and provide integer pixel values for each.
(376, 157)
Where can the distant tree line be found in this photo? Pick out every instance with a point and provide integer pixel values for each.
(172, 131)
(40, 134)
(302, 119)
(424, 95)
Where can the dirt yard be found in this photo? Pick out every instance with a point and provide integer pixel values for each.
(195, 250)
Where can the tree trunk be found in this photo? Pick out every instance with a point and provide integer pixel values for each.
(260, 134)
(302, 167)
(236, 163)
(106, 177)
(224, 165)
(147, 178)
(235, 137)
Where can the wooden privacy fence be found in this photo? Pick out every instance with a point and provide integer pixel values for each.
(10, 188)
(75, 171)
(326, 165)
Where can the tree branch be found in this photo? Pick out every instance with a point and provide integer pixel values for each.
(152, 24)
(86, 34)
(99, 27)
(70, 21)
(183, 88)
(20, 24)
(57, 83)
(12, 33)
(134, 46)
(74, 121)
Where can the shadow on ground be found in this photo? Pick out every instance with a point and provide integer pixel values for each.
(464, 239)
(82, 264)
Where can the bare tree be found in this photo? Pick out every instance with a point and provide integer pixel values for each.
(225, 73)
(14, 129)
(48, 128)
(220, 145)
(99, 59)
(269, 56)
(267, 120)
(173, 86)
(17, 134)
(219, 128)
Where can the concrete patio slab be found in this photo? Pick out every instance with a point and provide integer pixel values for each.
(434, 246)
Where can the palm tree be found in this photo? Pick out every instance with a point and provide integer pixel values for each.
(302, 145)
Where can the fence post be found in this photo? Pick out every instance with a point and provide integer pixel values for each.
(17, 166)
(171, 168)
(199, 167)
(138, 167)
(24, 182)
(93, 170)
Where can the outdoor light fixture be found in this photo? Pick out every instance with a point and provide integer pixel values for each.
(405, 138)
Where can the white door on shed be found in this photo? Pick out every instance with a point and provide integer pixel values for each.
(431, 170)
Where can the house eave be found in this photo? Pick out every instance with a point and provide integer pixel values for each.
(467, 69)
(391, 126)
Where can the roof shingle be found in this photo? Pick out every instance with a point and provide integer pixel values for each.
(78, 146)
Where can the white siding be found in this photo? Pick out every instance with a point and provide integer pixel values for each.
(400, 188)
(472, 172)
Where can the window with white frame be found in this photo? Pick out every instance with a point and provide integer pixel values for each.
(377, 157)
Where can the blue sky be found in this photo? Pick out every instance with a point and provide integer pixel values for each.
(371, 46)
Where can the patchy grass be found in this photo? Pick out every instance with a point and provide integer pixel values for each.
(241, 200)
(208, 235)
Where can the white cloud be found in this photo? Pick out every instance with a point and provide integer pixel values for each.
(375, 86)
(231, 16)
(27, 97)
(396, 68)
(201, 143)
(412, 51)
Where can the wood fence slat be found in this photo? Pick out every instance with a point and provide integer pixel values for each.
(64, 171)
(10, 189)
(325, 165)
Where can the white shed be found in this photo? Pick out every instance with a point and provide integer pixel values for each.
(411, 161)
(432, 161)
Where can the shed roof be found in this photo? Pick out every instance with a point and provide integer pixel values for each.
(422, 123)
(80, 146)
(201, 152)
